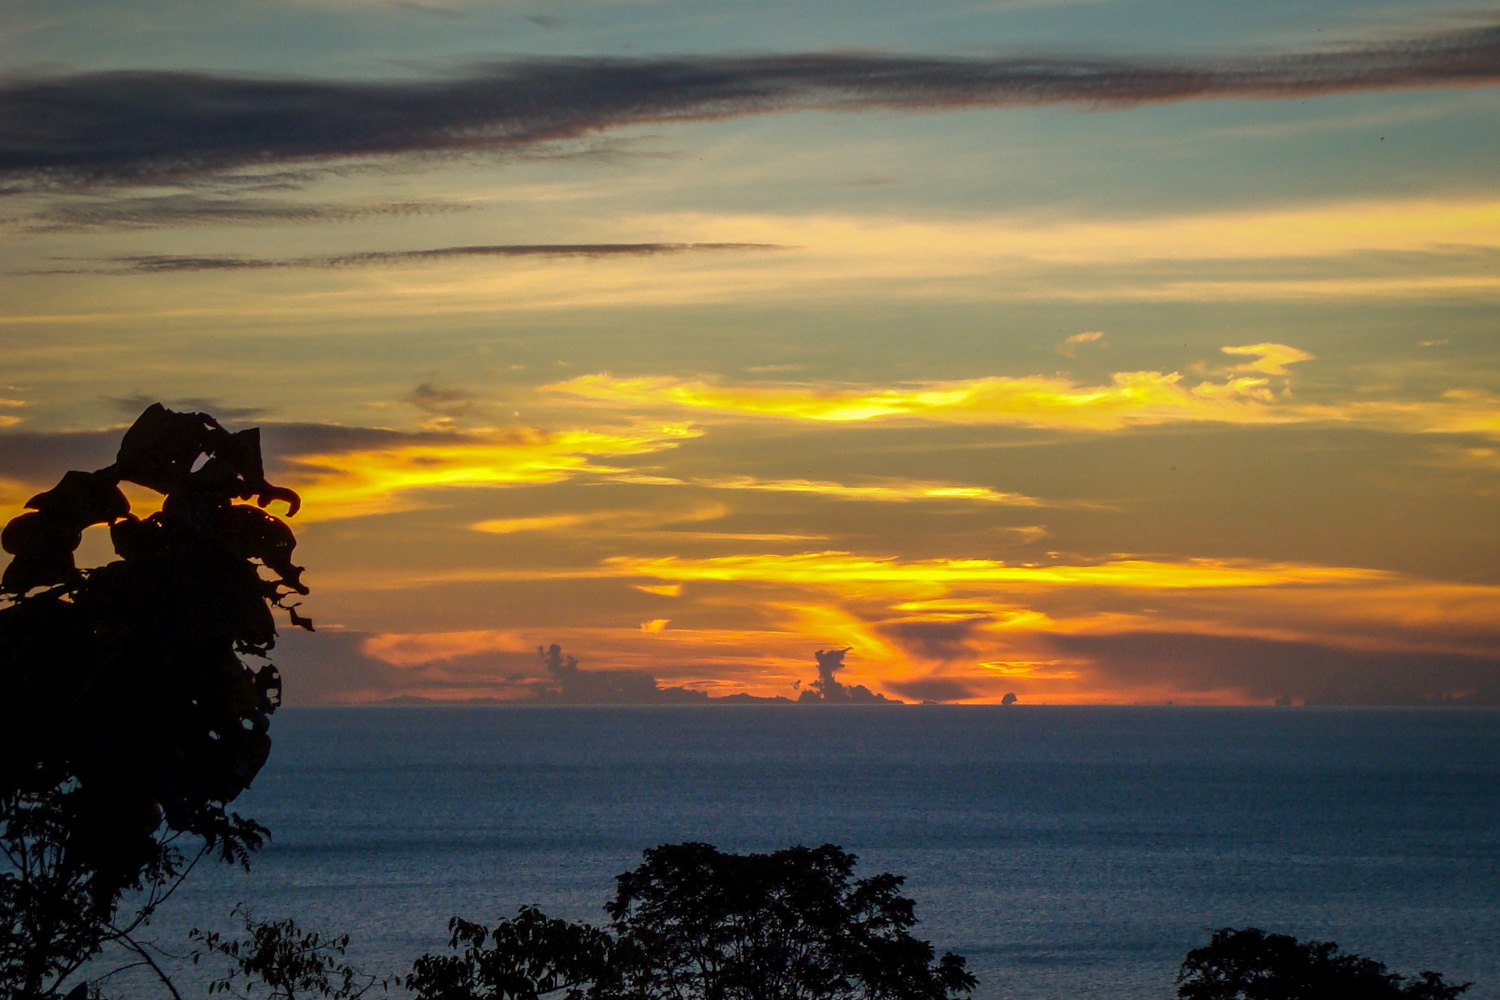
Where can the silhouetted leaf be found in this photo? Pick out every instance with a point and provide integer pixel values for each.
(126, 718)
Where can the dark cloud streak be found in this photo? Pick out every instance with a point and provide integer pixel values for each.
(170, 263)
(140, 127)
(186, 209)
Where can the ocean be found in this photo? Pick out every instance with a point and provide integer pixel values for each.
(1068, 852)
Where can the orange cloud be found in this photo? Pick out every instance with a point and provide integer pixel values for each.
(412, 649)
(976, 629)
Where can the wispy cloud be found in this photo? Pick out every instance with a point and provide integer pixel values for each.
(843, 568)
(195, 209)
(1268, 359)
(152, 126)
(1070, 346)
(1129, 399)
(10, 419)
(383, 478)
(619, 525)
(1246, 395)
(171, 263)
(899, 491)
(1299, 234)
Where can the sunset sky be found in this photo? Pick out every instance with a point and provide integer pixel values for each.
(1109, 351)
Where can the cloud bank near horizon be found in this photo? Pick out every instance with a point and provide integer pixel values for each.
(143, 127)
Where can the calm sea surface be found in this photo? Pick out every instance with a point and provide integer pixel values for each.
(1068, 852)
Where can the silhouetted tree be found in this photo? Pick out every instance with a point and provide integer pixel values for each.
(284, 960)
(695, 923)
(526, 957)
(1250, 964)
(129, 721)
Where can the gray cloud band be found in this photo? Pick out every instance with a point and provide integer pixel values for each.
(169, 263)
(136, 127)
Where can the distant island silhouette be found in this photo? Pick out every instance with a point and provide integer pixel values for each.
(570, 684)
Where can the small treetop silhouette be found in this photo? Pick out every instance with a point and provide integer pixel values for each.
(1249, 964)
(696, 923)
(128, 718)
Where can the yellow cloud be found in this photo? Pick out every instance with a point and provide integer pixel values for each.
(893, 490)
(1320, 229)
(661, 589)
(655, 625)
(927, 578)
(1129, 399)
(1457, 411)
(1270, 359)
(638, 524)
(381, 480)
(898, 490)
(511, 525)
(843, 569)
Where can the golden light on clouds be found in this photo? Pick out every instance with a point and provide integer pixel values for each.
(384, 479)
(552, 522)
(10, 419)
(411, 649)
(978, 626)
(1071, 345)
(1129, 399)
(895, 490)
(1314, 229)
(1246, 395)
(843, 569)
(987, 418)
(660, 589)
(1268, 359)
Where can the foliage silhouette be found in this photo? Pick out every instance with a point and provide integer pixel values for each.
(529, 956)
(695, 923)
(1250, 964)
(288, 961)
(130, 722)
